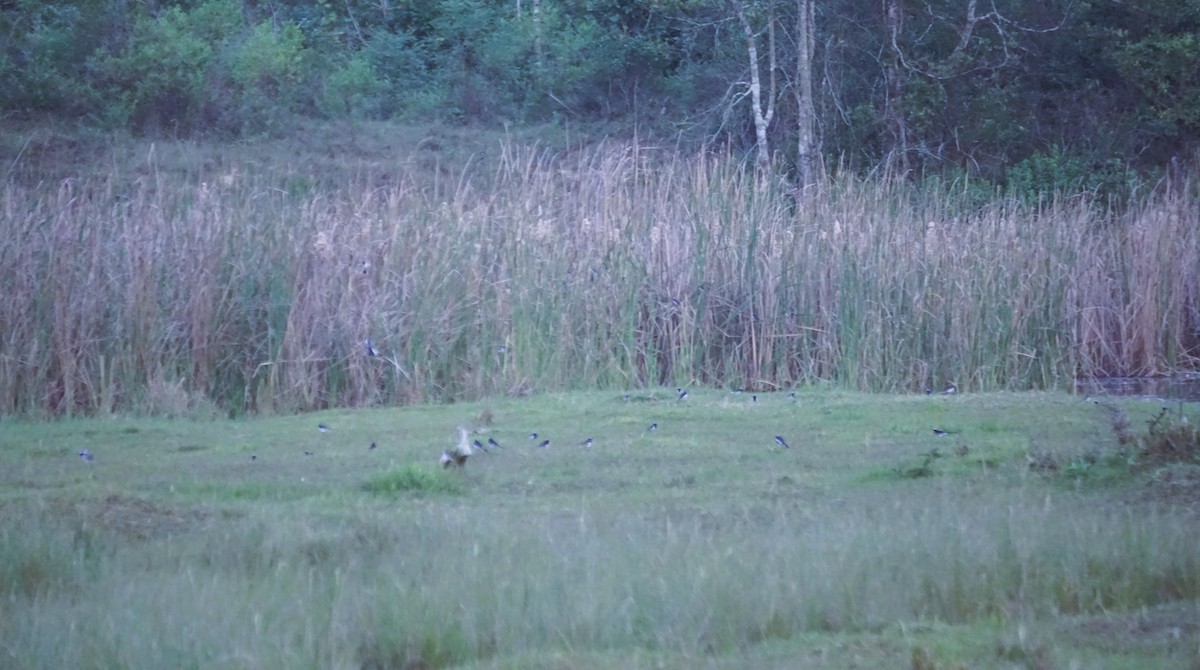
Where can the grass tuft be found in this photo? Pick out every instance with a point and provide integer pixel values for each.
(415, 479)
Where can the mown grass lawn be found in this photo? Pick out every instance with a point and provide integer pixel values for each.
(1022, 538)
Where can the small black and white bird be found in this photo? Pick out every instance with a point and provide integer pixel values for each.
(370, 350)
(533, 436)
(781, 442)
(682, 395)
(653, 427)
(479, 445)
(86, 456)
(940, 433)
(323, 428)
(586, 443)
(544, 444)
(493, 443)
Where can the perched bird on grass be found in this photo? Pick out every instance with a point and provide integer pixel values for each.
(479, 445)
(586, 443)
(754, 398)
(253, 457)
(308, 453)
(544, 444)
(533, 436)
(86, 456)
(492, 443)
(682, 395)
(781, 442)
(940, 433)
(653, 427)
(457, 456)
(372, 447)
(323, 428)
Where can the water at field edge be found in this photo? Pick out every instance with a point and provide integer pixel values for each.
(1184, 388)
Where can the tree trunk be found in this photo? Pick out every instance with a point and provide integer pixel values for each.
(807, 149)
(896, 78)
(764, 111)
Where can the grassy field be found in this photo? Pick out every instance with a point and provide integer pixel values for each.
(1022, 539)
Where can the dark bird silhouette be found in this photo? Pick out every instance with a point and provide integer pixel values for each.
(253, 457)
(492, 443)
(653, 427)
(754, 398)
(533, 436)
(781, 442)
(372, 447)
(586, 443)
(479, 445)
(86, 456)
(939, 432)
(308, 453)
(544, 444)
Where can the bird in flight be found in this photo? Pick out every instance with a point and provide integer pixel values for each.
(86, 456)
(457, 456)
(781, 442)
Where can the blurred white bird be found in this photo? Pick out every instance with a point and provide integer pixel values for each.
(457, 456)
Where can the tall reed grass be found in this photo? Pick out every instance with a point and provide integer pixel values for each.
(252, 286)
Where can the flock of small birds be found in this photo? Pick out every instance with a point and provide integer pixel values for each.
(457, 456)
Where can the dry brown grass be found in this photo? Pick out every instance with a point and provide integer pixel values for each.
(229, 278)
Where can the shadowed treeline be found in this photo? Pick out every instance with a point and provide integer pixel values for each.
(241, 288)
